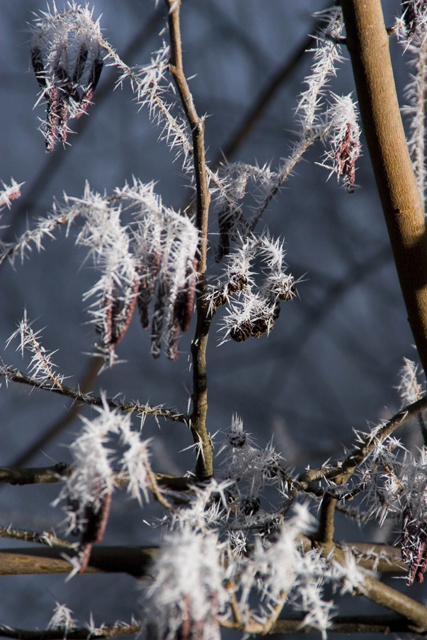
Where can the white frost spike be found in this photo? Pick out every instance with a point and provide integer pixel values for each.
(409, 388)
(41, 367)
(326, 55)
(135, 462)
(62, 618)
(9, 193)
(187, 593)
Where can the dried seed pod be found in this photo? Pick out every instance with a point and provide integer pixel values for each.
(242, 331)
(260, 326)
(237, 282)
(172, 341)
(123, 318)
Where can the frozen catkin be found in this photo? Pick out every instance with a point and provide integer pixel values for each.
(149, 257)
(67, 61)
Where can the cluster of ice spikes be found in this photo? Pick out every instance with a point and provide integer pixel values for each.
(153, 256)
(67, 61)
(256, 306)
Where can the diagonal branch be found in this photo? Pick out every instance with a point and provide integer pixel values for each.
(10, 373)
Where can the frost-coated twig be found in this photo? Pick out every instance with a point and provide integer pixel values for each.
(385, 624)
(49, 539)
(204, 467)
(14, 375)
(341, 472)
(114, 630)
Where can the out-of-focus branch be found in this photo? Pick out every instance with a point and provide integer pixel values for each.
(105, 631)
(340, 624)
(367, 42)
(204, 467)
(58, 473)
(10, 373)
(46, 538)
(135, 561)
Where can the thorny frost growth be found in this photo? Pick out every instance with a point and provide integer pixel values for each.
(255, 306)
(317, 121)
(149, 85)
(67, 61)
(41, 367)
(88, 490)
(62, 618)
(326, 56)
(409, 388)
(414, 40)
(152, 256)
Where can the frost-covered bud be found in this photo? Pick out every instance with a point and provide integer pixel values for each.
(414, 14)
(414, 545)
(67, 62)
(237, 436)
(241, 331)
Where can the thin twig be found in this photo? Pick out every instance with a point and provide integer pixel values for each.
(10, 373)
(46, 538)
(204, 467)
(341, 472)
(59, 473)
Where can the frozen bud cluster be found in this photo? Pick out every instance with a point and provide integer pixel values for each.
(257, 305)
(67, 61)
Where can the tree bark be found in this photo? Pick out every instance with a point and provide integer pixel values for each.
(367, 42)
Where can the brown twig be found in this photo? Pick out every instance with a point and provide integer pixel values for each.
(59, 472)
(367, 42)
(10, 373)
(133, 560)
(204, 467)
(46, 538)
(104, 631)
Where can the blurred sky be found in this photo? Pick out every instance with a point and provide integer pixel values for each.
(332, 361)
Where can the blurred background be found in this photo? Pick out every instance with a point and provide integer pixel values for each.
(330, 365)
